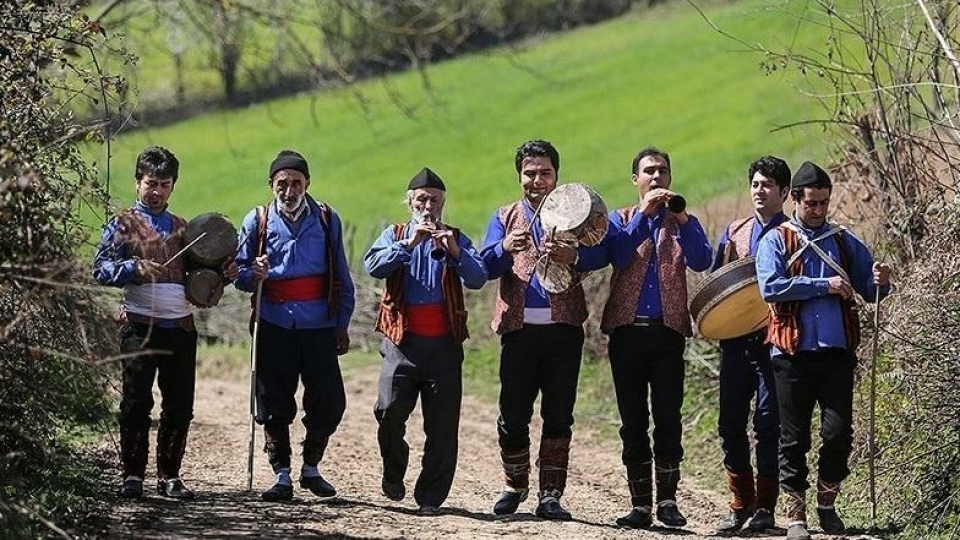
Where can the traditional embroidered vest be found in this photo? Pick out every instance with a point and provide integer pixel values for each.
(738, 240)
(142, 240)
(784, 328)
(392, 318)
(568, 307)
(625, 283)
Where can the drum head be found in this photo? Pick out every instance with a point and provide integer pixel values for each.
(203, 287)
(555, 278)
(728, 303)
(219, 244)
(566, 207)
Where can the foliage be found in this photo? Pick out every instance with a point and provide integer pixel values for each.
(51, 329)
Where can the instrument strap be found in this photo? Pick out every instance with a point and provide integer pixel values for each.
(812, 244)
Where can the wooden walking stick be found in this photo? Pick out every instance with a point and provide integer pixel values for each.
(871, 461)
(253, 384)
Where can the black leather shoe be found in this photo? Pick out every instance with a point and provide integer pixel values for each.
(830, 522)
(732, 522)
(174, 488)
(798, 531)
(509, 501)
(395, 491)
(278, 492)
(638, 518)
(549, 508)
(669, 514)
(762, 520)
(318, 486)
(131, 488)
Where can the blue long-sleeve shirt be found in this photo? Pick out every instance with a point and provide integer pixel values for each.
(422, 279)
(500, 261)
(757, 232)
(112, 264)
(627, 237)
(297, 250)
(821, 319)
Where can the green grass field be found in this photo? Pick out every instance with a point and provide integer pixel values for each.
(660, 77)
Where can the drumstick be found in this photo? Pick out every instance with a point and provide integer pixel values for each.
(181, 252)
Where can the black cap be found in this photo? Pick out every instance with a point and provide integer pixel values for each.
(288, 159)
(810, 175)
(426, 179)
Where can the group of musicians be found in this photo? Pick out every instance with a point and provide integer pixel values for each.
(291, 256)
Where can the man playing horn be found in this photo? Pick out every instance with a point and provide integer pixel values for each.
(745, 370)
(541, 335)
(294, 247)
(648, 322)
(809, 271)
(157, 332)
(424, 323)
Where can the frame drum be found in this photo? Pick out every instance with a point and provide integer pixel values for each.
(217, 246)
(203, 287)
(728, 303)
(577, 209)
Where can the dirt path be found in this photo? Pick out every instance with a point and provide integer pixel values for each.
(215, 466)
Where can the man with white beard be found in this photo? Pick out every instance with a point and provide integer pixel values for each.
(424, 322)
(294, 247)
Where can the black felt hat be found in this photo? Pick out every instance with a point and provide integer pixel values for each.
(809, 175)
(288, 159)
(426, 179)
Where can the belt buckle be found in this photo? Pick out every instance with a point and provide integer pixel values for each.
(646, 321)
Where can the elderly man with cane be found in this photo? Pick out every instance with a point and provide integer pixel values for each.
(810, 270)
(293, 248)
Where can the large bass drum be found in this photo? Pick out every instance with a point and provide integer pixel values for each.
(217, 245)
(728, 303)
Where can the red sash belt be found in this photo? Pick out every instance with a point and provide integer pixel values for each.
(428, 320)
(297, 289)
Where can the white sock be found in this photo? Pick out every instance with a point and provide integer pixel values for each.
(309, 472)
(283, 477)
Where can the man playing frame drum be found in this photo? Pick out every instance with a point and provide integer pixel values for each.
(647, 320)
(137, 252)
(745, 369)
(294, 246)
(424, 323)
(541, 335)
(809, 271)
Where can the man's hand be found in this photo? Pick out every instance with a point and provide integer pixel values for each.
(881, 273)
(654, 199)
(148, 270)
(230, 269)
(560, 252)
(446, 240)
(517, 241)
(260, 267)
(343, 341)
(840, 286)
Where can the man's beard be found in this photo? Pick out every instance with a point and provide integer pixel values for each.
(290, 207)
(421, 216)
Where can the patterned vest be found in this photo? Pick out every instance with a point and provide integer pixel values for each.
(392, 318)
(568, 307)
(784, 328)
(625, 283)
(143, 241)
(738, 240)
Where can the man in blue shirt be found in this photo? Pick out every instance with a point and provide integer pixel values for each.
(647, 319)
(745, 369)
(294, 249)
(541, 335)
(157, 332)
(424, 322)
(809, 272)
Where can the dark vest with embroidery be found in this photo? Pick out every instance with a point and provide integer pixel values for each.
(143, 241)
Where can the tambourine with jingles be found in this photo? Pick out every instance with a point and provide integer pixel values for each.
(728, 304)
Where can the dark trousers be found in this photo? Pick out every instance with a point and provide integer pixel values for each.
(284, 358)
(803, 380)
(430, 368)
(647, 361)
(541, 359)
(745, 373)
(170, 356)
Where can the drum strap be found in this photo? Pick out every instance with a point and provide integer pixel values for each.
(812, 244)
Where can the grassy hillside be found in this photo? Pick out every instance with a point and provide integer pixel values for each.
(660, 77)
